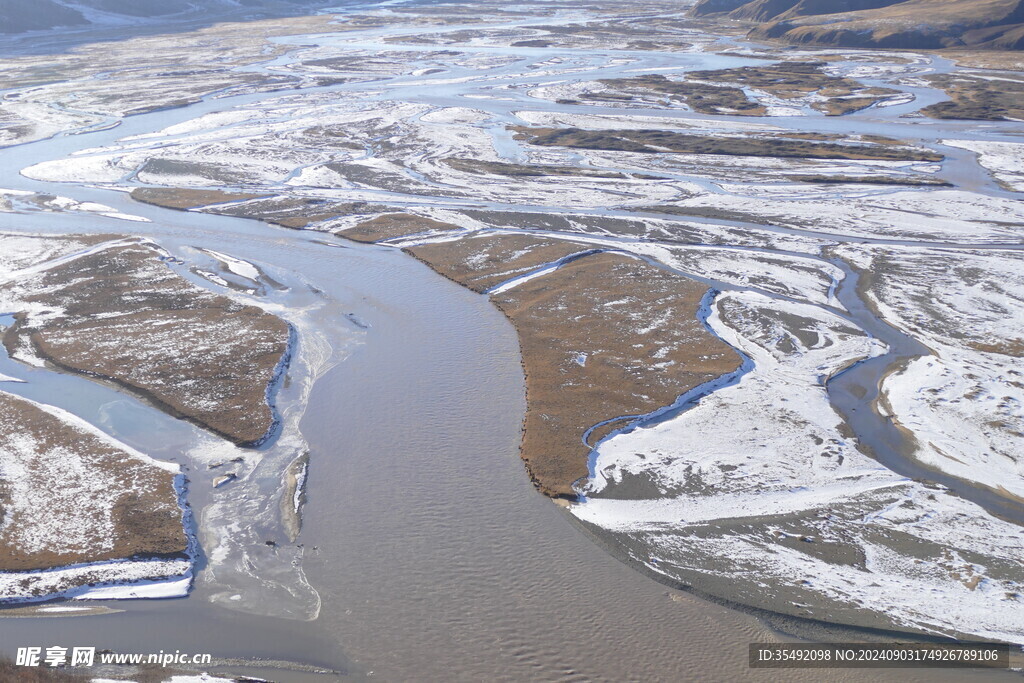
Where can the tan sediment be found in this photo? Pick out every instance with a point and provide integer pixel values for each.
(524, 170)
(1008, 347)
(391, 225)
(721, 91)
(138, 513)
(848, 105)
(703, 98)
(912, 181)
(661, 141)
(626, 372)
(127, 319)
(484, 261)
(293, 212)
(289, 212)
(284, 211)
(978, 99)
(173, 198)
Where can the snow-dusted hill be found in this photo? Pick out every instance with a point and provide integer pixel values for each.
(18, 16)
(908, 24)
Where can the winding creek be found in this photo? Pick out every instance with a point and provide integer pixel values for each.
(425, 552)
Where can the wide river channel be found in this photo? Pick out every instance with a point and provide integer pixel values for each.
(427, 552)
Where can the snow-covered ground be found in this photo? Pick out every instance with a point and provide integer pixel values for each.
(936, 215)
(963, 403)
(20, 201)
(1005, 160)
(758, 486)
(67, 486)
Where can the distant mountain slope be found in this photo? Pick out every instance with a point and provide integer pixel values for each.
(915, 24)
(18, 16)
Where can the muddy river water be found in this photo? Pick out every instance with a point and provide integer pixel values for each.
(425, 554)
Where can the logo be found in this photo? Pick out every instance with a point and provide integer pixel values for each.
(55, 656)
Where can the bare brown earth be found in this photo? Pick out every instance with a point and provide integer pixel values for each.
(869, 180)
(660, 141)
(535, 170)
(9, 671)
(701, 97)
(113, 505)
(391, 225)
(289, 212)
(173, 198)
(285, 211)
(1011, 347)
(122, 316)
(293, 212)
(603, 337)
(987, 59)
(979, 99)
(637, 326)
(720, 91)
(485, 261)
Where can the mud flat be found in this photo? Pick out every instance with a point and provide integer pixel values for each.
(119, 314)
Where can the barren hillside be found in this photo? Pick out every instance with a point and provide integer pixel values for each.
(915, 24)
